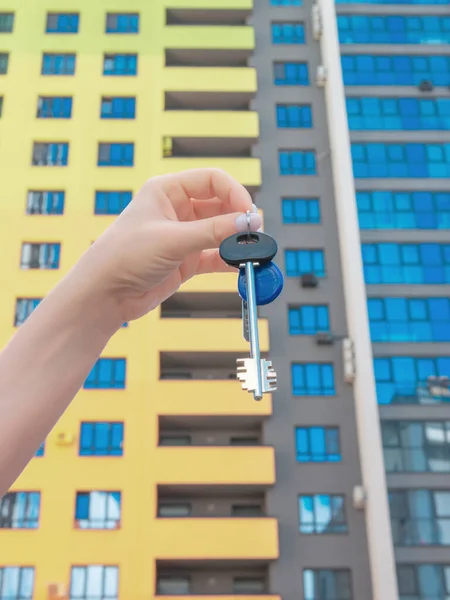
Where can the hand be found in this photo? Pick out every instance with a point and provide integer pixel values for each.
(170, 232)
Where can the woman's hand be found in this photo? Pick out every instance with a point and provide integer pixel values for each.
(170, 232)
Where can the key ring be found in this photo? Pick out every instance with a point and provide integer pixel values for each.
(247, 214)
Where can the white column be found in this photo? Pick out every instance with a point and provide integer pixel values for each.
(381, 552)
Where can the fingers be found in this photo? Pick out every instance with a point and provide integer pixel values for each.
(205, 184)
(210, 262)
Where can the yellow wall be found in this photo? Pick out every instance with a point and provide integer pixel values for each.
(55, 546)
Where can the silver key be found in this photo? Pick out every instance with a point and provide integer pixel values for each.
(255, 373)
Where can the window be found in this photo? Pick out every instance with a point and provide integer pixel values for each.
(411, 380)
(3, 66)
(174, 510)
(308, 319)
(101, 439)
(322, 513)
(286, 2)
(401, 160)
(312, 379)
(54, 108)
(97, 510)
(24, 308)
(409, 319)
(296, 116)
(40, 256)
(111, 203)
(120, 64)
(367, 69)
(95, 582)
(358, 29)
(297, 162)
(6, 22)
(246, 510)
(115, 155)
(122, 23)
(249, 586)
(290, 73)
(58, 64)
(45, 203)
(174, 440)
(118, 108)
(423, 581)
(1, 105)
(420, 517)
(288, 33)
(406, 263)
(317, 444)
(300, 210)
(62, 23)
(53, 154)
(41, 450)
(416, 446)
(20, 510)
(107, 374)
(398, 114)
(171, 585)
(299, 262)
(403, 210)
(16, 583)
(327, 584)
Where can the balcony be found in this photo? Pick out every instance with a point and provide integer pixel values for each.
(191, 305)
(246, 170)
(227, 80)
(215, 539)
(230, 14)
(194, 466)
(207, 101)
(209, 125)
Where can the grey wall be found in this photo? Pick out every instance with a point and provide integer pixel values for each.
(298, 551)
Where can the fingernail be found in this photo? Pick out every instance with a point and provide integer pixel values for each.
(254, 209)
(255, 222)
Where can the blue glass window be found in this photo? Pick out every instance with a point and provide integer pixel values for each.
(54, 108)
(317, 444)
(41, 450)
(397, 114)
(308, 319)
(288, 33)
(300, 210)
(327, 584)
(24, 308)
(300, 262)
(405, 379)
(401, 160)
(45, 202)
(16, 583)
(409, 319)
(406, 263)
(295, 116)
(120, 64)
(297, 162)
(94, 582)
(322, 513)
(368, 69)
(40, 256)
(422, 581)
(6, 22)
(62, 23)
(107, 374)
(52, 154)
(290, 73)
(111, 203)
(122, 23)
(98, 510)
(4, 61)
(20, 510)
(101, 439)
(58, 64)
(286, 2)
(118, 108)
(312, 379)
(403, 210)
(395, 29)
(115, 155)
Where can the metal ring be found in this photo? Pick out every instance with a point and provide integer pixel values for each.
(248, 213)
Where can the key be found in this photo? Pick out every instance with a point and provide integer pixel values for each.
(245, 251)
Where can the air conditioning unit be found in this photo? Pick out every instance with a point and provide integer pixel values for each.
(64, 438)
(58, 591)
(426, 85)
(316, 22)
(321, 76)
(324, 338)
(359, 497)
(348, 354)
(309, 280)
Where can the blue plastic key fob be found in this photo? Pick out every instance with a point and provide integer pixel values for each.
(269, 283)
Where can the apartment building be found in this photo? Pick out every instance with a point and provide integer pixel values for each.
(164, 479)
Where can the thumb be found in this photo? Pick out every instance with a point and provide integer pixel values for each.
(206, 234)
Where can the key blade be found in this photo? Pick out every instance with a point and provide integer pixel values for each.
(245, 322)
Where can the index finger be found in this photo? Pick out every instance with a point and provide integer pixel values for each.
(205, 184)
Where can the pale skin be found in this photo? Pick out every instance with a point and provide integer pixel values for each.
(169, 233)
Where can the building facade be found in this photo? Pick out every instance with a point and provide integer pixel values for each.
(164, 478)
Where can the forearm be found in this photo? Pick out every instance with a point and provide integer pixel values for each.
(45, 364)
